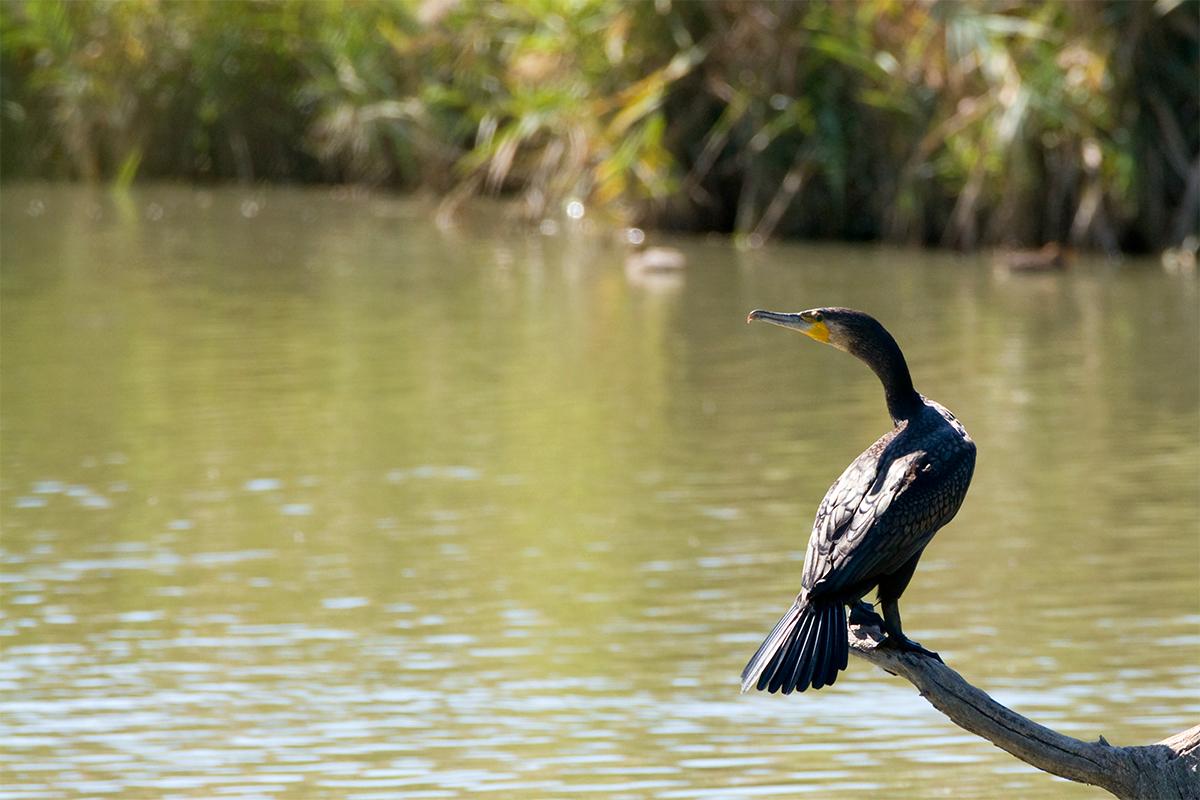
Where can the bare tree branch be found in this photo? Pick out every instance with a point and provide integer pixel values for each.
(1163, 771)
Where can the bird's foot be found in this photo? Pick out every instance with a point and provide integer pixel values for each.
(907, 645)
(861, 613)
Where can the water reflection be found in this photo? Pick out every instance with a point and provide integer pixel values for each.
(322, 501)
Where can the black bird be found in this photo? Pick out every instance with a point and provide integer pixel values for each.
(875, 520)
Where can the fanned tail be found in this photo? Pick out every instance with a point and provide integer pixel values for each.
(807, 647)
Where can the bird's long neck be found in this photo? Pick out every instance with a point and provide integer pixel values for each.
(883, 356)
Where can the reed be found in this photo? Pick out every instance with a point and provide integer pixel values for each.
(953, 123)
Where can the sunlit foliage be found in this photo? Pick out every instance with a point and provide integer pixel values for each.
(959, 123)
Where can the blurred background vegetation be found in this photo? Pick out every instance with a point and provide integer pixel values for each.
(954, 123)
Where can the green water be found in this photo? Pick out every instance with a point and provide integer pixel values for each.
(305, 497)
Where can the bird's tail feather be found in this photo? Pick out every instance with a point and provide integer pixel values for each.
(807, 647)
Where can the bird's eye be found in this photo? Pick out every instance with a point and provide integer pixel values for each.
(812, 316)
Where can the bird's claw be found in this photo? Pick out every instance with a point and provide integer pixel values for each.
(904, 644)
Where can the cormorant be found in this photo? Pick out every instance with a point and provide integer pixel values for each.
(875, 520)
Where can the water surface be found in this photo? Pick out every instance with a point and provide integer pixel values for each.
(305, 497)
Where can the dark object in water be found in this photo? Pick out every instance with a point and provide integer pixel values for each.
(1051, 257)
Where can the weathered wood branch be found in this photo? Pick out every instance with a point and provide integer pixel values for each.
(1166, 770)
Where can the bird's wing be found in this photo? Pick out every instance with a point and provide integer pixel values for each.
(870, 522)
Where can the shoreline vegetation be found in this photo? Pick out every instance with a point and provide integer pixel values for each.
(960, 124)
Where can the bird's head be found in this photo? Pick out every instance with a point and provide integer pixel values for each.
(844, 328)
(861, 336)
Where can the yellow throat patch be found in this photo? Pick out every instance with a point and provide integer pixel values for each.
(818, 331)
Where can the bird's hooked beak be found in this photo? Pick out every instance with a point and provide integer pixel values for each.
(807, 322)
